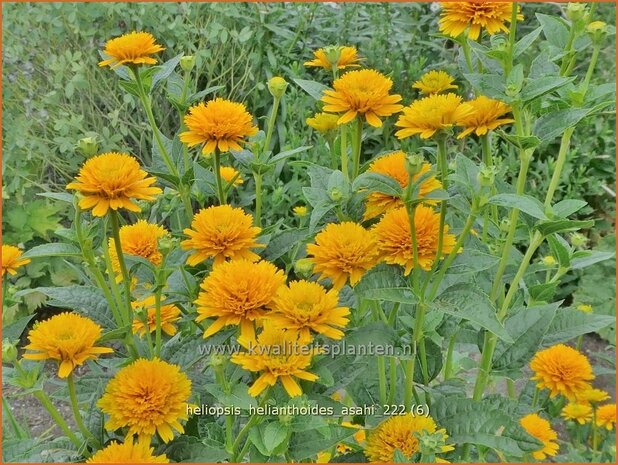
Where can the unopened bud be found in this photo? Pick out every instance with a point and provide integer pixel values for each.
(597, 30)
(414, 163)
(335, 194)
(578, 240)
(304, 267)
(187, 63)
(300, 211)
(575, 11)
(166, 244)
(285, 420)
(9, 351)
(333, 54)
(277, 86)
(548, 260)
(486, 177)
(88, 146)
(505, 225)
(217, 360)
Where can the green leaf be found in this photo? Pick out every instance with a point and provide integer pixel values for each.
(543, 292)
(570, 323)
(61, 196)
(525, 203)
(472, 261)
(56, 249)
(282, 243)
(434, 362)
(273, 435)
(288, 153)
(482, 423)
(491, 85)
(14, 331)
(385, 283)
(567, 207)
(307, 444)
(203, 93)
(526, 41)
(560, 249)
(555, 30)
(515, 80)
(536, 87)
(584, 258)
(521, 142)
(527, 329)
(164, 70)
(191, 449)
(554, 123)
(313, 88)
(551, 227)
(375, 182)
(376, 334)
(320, 203)
(87, 300)
(472, 304)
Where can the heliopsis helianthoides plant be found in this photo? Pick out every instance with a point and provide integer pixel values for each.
(147, 397)
(277, 356)
(221, 233)
(371, 261)
(239, 293)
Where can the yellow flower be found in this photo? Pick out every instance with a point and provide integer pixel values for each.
(305, 306)
(584, 308)
(133, 48)
(606, 416)
(113, 180)
(277, 86)
(278, 355)
(397, 433)
(343, 252)
(485, 116)
(562, 370)
(323, 457)
(364, 92)
(148, 397)
(340, 56)
(592, 396)
(434, 82)
(394, 240)
(581, 413)
(67, 338)
(11, 259)
(475, 15)
(169, 315)
(219, 123)
(323, 122)
(238, 293)
(540, 429)
(140, 239)
(221, 232)
(360, 435)
(431, 114)
(129, 452)
(300, 211)
(228, 173)
(393, 165)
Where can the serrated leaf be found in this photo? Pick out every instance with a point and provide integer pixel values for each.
(385, 283)
(567, 207)
(570, 323)
(582, 259)
(313, 88)
(472, 304)
(524, 203)
(164, 70)
(56, 249)
(553, 227)
(375, 182)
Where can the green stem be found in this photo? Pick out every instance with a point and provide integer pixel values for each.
(448, 364)
(568, 55)
(17, 430)
(113, 216)
(580, 340)
(409, 384)
(53, 412)
(510, 388)
(157, 321)
(512, 34)
(443, 169)
(595, 436)
(560, 162)
(111, 277)
(356, 146)
(258, 198)
(219, 181)
(465, 46)
(255, 419)
(591, 66)
(344, 150)
(392, 371)
(535, 396)
(271, 123)
(382, 378)
(76, 413)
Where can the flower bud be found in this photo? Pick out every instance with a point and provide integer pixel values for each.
(505, 225)
(187, 63)
(335, 194)
(304, 267)
(300, 211)
(9, 351)
(166, 244)
(578, 240)
(277, 86)
(548, 260)
(333, 54)
(584, 308)
(285, 420)
(486, 177)
(217, 360)
(597, 30)
(88, 146)
(575, 11)
(414, 163)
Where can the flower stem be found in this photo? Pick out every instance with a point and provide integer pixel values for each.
(392, 367)
(357, 145)
(113, 216)
(76, 413)
(271, 123)
(595, 436)
(448, 364)
(465, 46)
(344, 150)
(217, 169)
(254, 420)
(512, 35)
(443, 169)
(258, 198)
(53, 412)
(157, 322)
(561, 160)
